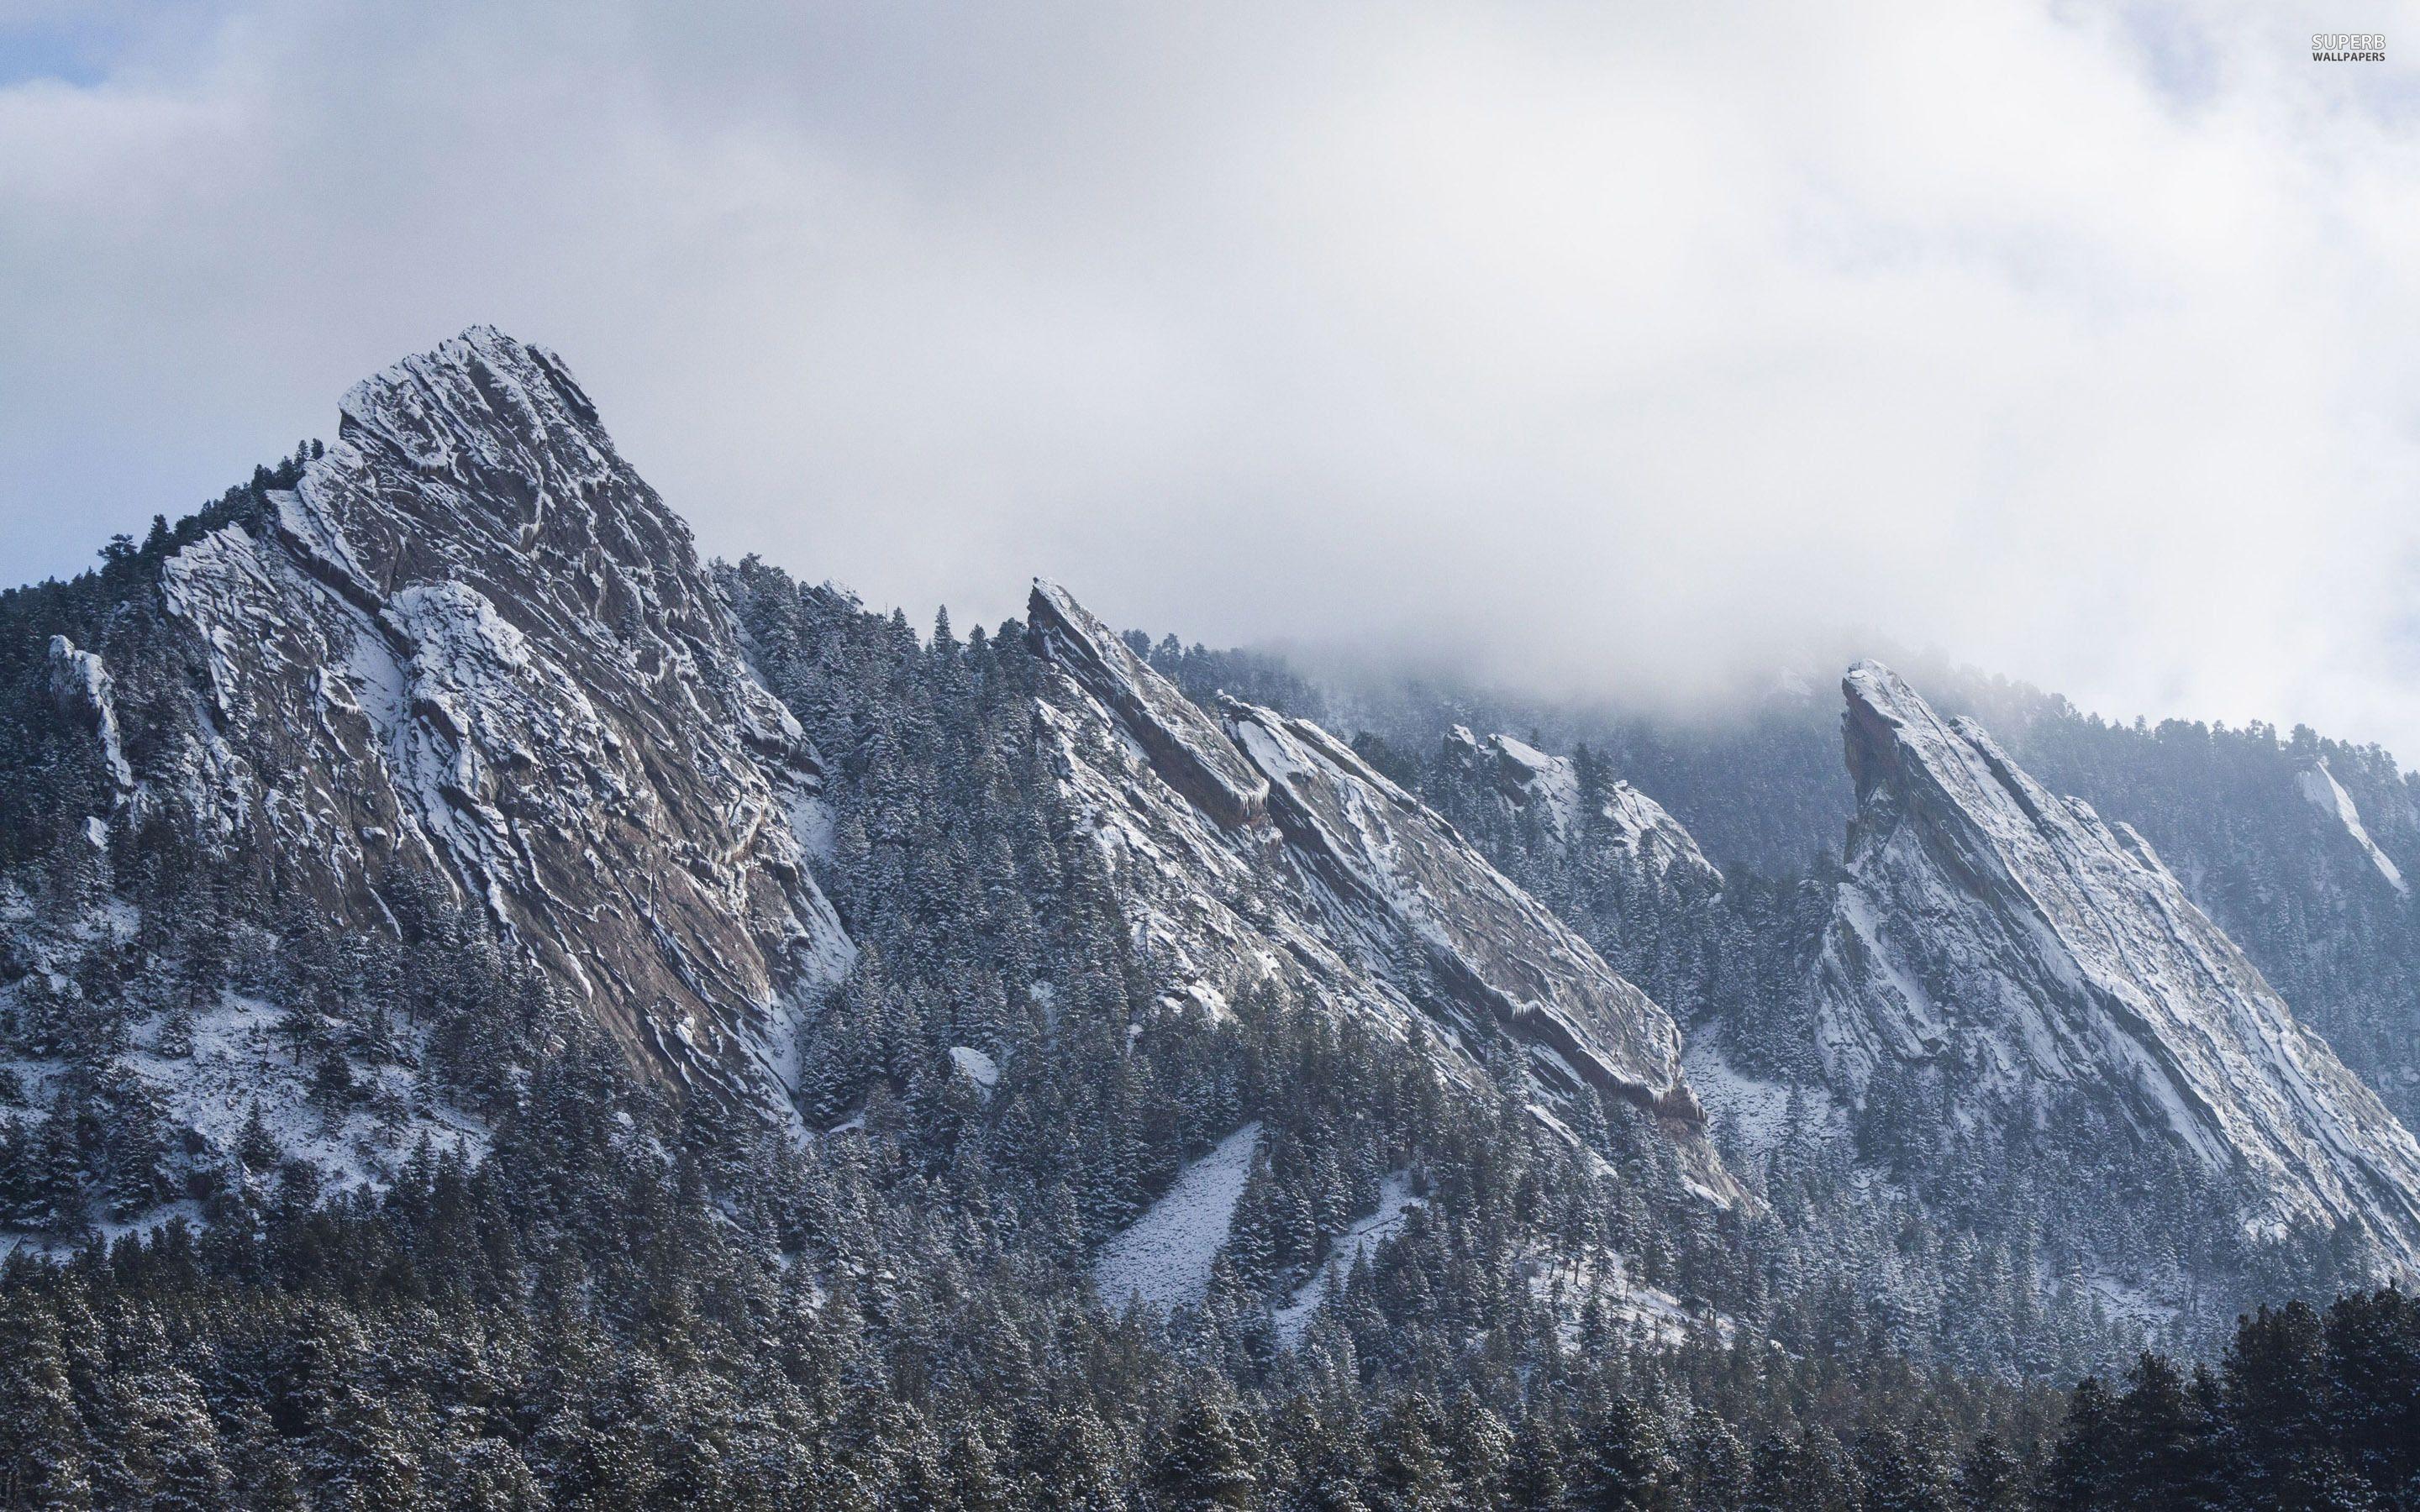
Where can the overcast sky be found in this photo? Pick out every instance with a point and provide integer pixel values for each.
(1623, 347)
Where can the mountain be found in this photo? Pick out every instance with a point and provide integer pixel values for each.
(2027, 971)
(457, 681)
(468, 646)
(495, 1010)
(1256, 842)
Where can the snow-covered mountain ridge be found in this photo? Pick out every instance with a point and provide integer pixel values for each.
(469, 645)
(464, 651)
(2021, 949)
(1302, 862)
(463, 662)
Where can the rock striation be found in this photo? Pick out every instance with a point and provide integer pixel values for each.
(471, 644)
(1253, 846)
(2027, 954)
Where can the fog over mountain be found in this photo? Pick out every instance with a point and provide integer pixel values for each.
(1322, 758)
(498, 1006)
(1620, 351)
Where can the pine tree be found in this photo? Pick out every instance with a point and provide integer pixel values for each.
(1409, 1469)
(2164, 1447)
(1774, 1484)
(2373, 1360)
(42, 1459)
(1479, 1452)
(176, 1040)
(1202, 1464)
(2274, 1383)
(1716, 1468)
(1629, 1465)
(1078, 1462)
(2078, 1476)
(1990, 1478)
(975, 1479)
(1900, 1476)
(255, 1148)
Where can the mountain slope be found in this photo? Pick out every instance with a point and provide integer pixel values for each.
(469, 646)
(2029, 957)
(1297, 857)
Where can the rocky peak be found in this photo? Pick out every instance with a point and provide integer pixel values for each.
(472, 642)
(1185, 748)
(483, 463)
(1627, 822)
(2023, 949)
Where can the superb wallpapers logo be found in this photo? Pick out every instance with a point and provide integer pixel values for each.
(2348, 47)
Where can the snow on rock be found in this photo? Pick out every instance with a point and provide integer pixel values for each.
(1626, 822)
(1395, 875)
(1185, 747)
(1185, 882)
(1163, 1258)
(1395, 1200)
(1991, 928)
(2324, 793)
(471, 643)
(1305, 868)
(80, 686)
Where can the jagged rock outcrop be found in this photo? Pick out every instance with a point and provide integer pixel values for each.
(2021, 949)
(471, 644)
(1394, 878)
(1186, 748)
(1627, 822)
(1257, 845)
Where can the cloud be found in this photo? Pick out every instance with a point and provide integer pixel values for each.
(1624, 350)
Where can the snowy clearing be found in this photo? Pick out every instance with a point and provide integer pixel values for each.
(1163, 1258)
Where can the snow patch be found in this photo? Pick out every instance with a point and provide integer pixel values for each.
(1637, 1313)
(975, 1066)
(2324, 793)
(1162, 1259)
(1748, 1115)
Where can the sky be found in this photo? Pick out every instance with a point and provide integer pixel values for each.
(1632, 350)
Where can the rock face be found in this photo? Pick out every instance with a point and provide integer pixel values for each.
(1397, 880)
(472, 645)
(1627, 823)
(80, 686)
(1254, 847)
(2023, 949)
(1186, 748)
